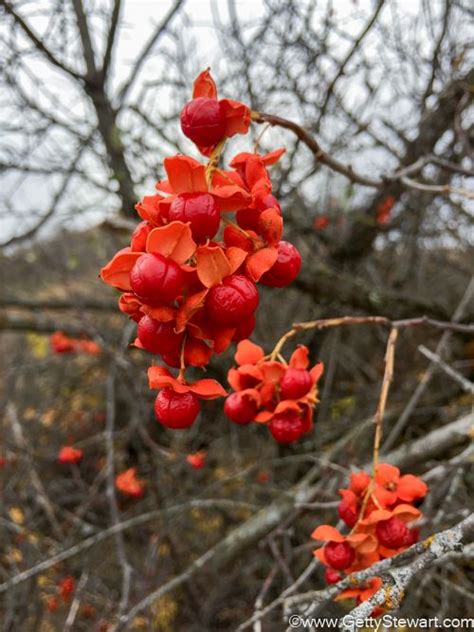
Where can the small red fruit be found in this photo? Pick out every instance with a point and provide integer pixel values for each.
(240, 409)
(359, 481)
(156, 279)
(339, 555)
(158, 337)
(392, 533)
(176, 410)
(247, 218)
(347, 512)
(232, 301)
(68, 454)
(197, 460)
(285, 269)
(66, 587)
(240, 239)
(244, 329)
(201, 210)
(128, 484)
(412, 536)
(295, 383)
(202, 121)
(331, 576)
(286, 428)
(52, 604)
(172, 359)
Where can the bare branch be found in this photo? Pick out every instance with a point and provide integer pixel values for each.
(39, 44)
(160, 29)
(465, 384)
(114, 21)
(87, 48)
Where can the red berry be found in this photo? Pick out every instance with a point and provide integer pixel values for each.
(176, 410)
(52, 604)
(331, 576)
(233, 301)
(68, 454)
(286, 428)
(201, 210)
(392, 533)
(158, 337)
(172, 359)
(412, 536)
(339, 555)
(244, 329)
(240, 409)
(235, 237)
(156, 279)
(247, 218)
(347, 512)
(285, 269)
(203, 122)
(359, 481)
(66, 587)
(139, 236)
(295, 383)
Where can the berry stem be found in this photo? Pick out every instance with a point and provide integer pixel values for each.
(214, 160)
(182, 368)
(281, 343)
(259, 137)
(242, 231)
(378, 420)
(325, 323)
(387, 380)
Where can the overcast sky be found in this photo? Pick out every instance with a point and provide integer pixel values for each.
(139, 18)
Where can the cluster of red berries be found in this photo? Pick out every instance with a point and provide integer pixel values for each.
(60, 343)
(189, 277)
(377, 509)
(65, 590)
(273, 392)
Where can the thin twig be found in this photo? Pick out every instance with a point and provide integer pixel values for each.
(465, 384)
(73, 610)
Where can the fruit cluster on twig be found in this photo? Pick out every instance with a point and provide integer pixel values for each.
(268, 390)
(207, 237)
(378, 510)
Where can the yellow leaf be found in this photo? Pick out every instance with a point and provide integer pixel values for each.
(48, 417)
(163, 550)
(42, 581)
(14, 556)
(29, 413)
(16, 514)
(165, 611)
(38, 345)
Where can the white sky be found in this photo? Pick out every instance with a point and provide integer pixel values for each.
(140, 17)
